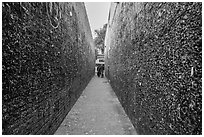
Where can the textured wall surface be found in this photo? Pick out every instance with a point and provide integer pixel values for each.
(154, 63)
(48, 59)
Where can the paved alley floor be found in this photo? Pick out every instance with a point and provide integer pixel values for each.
(97, 112)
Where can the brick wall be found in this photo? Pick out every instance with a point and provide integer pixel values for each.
(153, 60)
(47, 60)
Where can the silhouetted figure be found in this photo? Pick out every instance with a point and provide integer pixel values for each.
(98, 71)
(102, 70)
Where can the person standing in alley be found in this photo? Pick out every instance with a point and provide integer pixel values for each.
(98, 71)
(102, 71)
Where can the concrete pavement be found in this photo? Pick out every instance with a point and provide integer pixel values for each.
(97, 112)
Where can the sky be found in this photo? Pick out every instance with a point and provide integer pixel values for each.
(97, 13)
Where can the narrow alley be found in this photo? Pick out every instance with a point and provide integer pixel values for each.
(97, 112)
(149, 52)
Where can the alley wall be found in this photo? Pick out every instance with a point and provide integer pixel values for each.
(48, 58)
(153, 59)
